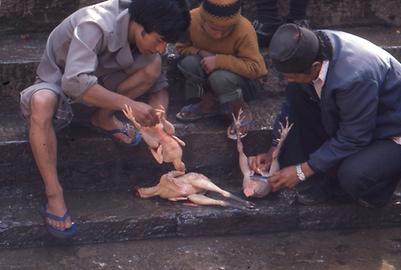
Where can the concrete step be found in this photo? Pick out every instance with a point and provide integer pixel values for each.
(306, 250)
(86, 154)
(20, 54)
(43, 15)
(116, 215)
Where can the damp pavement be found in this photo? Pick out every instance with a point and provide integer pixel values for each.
(374, 249)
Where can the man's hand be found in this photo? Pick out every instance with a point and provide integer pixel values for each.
(208, 64)
(144, 113)
(203, 53)
(286, 177)
(262, 161)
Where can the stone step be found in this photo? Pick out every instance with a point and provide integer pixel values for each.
(330, 13)
(86, 154)
(42, 15)
(20, 54)
(116, 215)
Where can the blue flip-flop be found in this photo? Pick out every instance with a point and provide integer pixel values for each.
(67, 233)
(195, 111)
(124, 130)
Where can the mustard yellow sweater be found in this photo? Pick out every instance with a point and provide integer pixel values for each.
(238, 52)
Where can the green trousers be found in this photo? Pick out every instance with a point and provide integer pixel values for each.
(226, 85)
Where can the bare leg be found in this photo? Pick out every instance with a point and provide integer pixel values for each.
(203, 200)
(148, 192)
(247, 185)
(208, 102)
(134, 86)
(43, 142)
(246, 116)
(209, 186)
(159, 100)
(178, 199)
(284, 130)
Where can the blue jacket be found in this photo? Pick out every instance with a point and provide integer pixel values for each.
(360, 100)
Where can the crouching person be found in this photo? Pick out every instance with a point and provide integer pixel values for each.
(104, 56)
(222, 63)
(344, 98)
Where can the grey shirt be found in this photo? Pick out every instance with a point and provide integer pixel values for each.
(90, 44)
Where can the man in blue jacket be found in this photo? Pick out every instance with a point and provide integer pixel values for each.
(344, 98)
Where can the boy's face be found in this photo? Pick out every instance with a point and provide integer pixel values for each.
(216, 31)
(147, 43)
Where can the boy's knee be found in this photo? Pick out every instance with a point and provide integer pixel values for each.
(221, 79)
(43, 104)
(152, 71)
(190, 63)
(226, 85)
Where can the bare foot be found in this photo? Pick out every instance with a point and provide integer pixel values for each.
(113, 123)
(56, 206)
(208, 103)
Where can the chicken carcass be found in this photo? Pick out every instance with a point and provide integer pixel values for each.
(257, 185)
(161, 139)
(177, 185)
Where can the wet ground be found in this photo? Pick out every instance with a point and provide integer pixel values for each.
(339, 250)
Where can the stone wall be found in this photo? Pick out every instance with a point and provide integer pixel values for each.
(25, 16)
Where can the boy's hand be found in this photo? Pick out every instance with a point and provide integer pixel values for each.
(208, 64)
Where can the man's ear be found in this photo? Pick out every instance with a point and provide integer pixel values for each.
(316, 66)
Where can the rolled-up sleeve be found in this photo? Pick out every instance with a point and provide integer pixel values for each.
(82, 60)
(358, 111)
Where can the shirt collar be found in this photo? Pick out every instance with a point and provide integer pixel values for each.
(119, 36)
(321, 79)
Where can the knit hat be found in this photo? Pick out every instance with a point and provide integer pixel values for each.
(293, 49)
(221, 12)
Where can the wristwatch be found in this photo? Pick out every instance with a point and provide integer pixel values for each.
(300, 173)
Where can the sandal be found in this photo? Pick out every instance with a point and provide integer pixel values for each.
(67, 233)
(192, 112)
(124, 130)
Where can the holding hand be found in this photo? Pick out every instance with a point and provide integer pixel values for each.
(208, 64)
(286, 177)
(261, 162)
(144, 113)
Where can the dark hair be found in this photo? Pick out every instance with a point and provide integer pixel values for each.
(169, 18)
(325, 50)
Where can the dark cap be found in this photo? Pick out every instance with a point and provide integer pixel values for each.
(293, 49)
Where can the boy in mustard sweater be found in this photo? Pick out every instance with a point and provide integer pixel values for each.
(222, 63)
